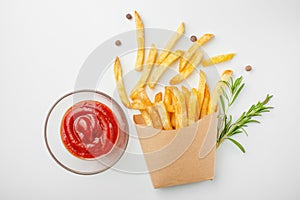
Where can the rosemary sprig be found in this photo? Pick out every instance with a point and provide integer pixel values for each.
(227, 127)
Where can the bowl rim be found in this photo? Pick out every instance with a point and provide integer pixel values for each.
(49, 114)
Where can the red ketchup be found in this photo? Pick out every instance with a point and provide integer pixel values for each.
(89, 129)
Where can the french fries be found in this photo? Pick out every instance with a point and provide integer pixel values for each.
(204, 39)
(173, 120)
(190, 52)
(206, 102)
(172, 108)
(147, 70)
(186, 94)
(217, 59)
(164, 115)
(180, 107)
(187, 71)
(142, 95)
(120, 83)
(146, 118)
(171, 43)
(156, 75)
(201, 88)
(138, 104)
(140, 35)
(218, 89)
(154, 116)
(193, 107)
(168, 100)
(158, 97)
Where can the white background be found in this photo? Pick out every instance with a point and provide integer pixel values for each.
(44, 43)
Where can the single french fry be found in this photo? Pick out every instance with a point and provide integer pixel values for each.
(167, 96)
(206, 102)
(190, 52)
(138, 104)
(193, 107)
(187, 71)
(186, 94)
(155, 119)
(146, 118)
(201, 89)
(156, 75)
(164, 115)
(140, 35)
(120, 83)
(217, 59)
(147, 70)
(168, 100)
(204, 39)
(180, 107)
(138, 119)
(158, 97)
(173, 119)
(218, 90)
(171, 43)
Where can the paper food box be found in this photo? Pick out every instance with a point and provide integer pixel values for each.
(176, 157)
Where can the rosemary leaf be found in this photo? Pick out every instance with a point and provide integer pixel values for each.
(237, 144)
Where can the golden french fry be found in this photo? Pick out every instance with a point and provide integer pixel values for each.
(158, 97)
(187, 71)
(170, 108)
(138, 119)
(218, 90)
(186, 94)
(206, 102)
(146, 117)
(147, 69)
(201, 88)
(168, 100)
(120, 83)
(140, 40)
(180, 107)
(167, 96)
(193, 107)
(171, 43)
(217, 59)
(155, 119)
(138, 104)
(204, 39)
(156, 75)
(173, 120)
(164, 115)
(190, 52)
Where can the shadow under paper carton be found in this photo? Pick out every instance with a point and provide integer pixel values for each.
(176, 157)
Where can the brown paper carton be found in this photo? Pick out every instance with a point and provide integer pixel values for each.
(181, 156)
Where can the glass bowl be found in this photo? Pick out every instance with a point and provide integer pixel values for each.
(56, 147)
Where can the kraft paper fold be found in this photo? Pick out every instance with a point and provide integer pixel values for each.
(176, 157)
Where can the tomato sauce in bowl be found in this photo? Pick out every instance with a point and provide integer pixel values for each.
(86, 132)
(89, 129)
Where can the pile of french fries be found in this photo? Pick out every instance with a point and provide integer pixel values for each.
(172, 108)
